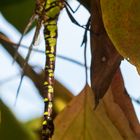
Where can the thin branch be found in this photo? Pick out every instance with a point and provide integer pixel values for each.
(6, 40)
(35, 77)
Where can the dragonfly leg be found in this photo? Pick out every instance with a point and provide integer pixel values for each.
(73, 11)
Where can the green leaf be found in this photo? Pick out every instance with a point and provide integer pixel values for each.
(11, 128)
(19, 13)
(79, 120)
(62, 97)
(8, 2)
(34, 124)
(122, 22)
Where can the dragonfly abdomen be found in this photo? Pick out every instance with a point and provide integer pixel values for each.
(52, 10)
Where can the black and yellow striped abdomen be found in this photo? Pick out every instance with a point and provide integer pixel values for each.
(52, 10)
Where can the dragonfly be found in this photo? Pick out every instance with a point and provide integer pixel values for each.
(46, 14)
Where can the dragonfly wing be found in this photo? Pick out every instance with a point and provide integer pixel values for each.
(36, 37)
(31, 20)
(28, 56)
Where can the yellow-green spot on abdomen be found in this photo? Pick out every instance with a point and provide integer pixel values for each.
(51, 55)
(50, 90)
(50, 86)
(50, 105)
(52, 59)
(44, 122)
(45, 83)
(52, 42)
(47, 51)
(51, 74)
(53, 22)
(50, 51)
(46, 99)
(53, 12)
(52, 34)
(50, 1)
(52, 28)
(46, 113)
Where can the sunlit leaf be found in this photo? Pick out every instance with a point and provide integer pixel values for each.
(122, 22)
(11, 128)
(79, 121)
(18, 13)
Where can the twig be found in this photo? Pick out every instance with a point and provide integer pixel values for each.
(5, 39)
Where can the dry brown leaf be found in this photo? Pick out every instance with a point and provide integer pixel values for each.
(117, 116)
(79, 121)
(122, 98)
